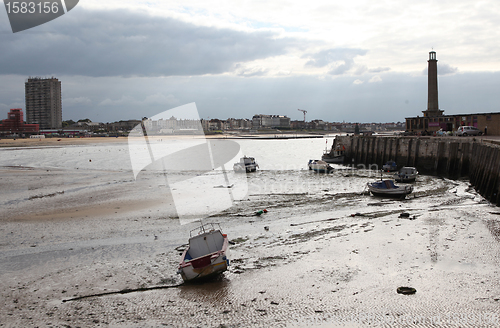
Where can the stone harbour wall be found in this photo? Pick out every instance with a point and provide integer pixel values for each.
(450, 157)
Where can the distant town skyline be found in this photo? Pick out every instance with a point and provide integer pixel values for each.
(342, 61)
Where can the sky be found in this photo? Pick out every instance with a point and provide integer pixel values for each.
(353, 61)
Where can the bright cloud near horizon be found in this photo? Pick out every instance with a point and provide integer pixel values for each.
(356, 61)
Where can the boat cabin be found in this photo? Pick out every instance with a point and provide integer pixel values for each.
(204, 244)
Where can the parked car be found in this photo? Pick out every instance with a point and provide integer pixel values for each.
(468, 131)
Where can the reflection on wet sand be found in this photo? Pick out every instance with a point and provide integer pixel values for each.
(213, 291)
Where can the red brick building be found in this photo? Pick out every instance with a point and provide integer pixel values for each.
(14, 124)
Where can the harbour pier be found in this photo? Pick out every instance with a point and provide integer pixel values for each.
(477, 159)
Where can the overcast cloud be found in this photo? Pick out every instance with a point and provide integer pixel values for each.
(341, 61)
(124, 43)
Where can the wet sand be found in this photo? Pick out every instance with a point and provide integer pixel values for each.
(63, 141)
(27, 142)
(329, 258)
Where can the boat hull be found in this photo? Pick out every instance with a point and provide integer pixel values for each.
(389, 194)
(393, 192)
(333, 159)
(322, 170)
(244, 168)
(215, 265)
(404, 179)
(320, 166)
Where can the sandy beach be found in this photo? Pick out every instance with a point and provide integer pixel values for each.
(332, 257)
(27, 142)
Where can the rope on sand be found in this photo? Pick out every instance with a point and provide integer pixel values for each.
(123, 291)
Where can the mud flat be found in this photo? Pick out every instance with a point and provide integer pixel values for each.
(57, 142)
(332, 256)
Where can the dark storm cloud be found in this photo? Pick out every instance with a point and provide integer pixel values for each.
(125, 43)
(339, 60)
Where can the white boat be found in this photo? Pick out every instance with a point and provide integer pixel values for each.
(406, 174)
(246, 164)
(319, 166)
(387, 188)
(335, 155)
(206, 254)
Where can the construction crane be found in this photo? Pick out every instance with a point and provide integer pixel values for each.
(303, 111)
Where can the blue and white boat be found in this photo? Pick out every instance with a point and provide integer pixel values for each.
(387, 188)
(390, 166)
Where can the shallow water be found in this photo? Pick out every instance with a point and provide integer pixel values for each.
(332, 256)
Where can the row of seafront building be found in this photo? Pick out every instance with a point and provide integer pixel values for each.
(174, 125)
(261, 122)
(14, 126)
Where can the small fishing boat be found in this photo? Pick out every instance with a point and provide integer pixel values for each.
(246, 164)
(390, 166)
(319, 166)
(406, 174)
(206, 254)
(335, 155)
(387, 188)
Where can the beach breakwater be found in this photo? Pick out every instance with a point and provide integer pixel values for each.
(450, 157)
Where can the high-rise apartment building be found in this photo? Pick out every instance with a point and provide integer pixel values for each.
(43, 102)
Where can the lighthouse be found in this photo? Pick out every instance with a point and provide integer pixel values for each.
(432, 88)
(434, 120)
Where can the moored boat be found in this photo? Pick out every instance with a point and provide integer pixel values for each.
(387, 188)
(206, 254)
(246, 164)
(390, 166)
(406, 174)
(319, 166)
(335, 155)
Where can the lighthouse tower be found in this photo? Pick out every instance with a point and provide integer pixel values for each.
(432, 91)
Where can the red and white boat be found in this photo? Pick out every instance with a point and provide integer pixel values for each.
(206, 254)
